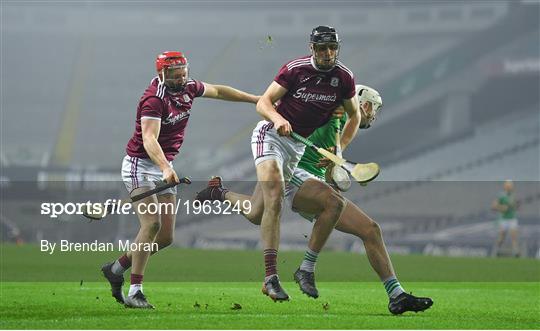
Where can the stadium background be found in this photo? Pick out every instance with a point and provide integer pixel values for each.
(459, 81)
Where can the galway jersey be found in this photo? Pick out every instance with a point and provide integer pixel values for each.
(172, 109)
(324, 137)
(312, 94)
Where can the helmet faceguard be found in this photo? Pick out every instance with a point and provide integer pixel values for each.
(324, 45)
(173, 70)
(371, 99)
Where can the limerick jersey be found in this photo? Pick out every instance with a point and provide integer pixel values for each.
(312, 95)
(172, 109)
(507, 199)
(324, 137)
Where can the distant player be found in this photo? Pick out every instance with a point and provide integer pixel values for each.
(507, 205)
(162, 116)
(306, 90)
(307, 193)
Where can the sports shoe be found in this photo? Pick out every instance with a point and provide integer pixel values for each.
(137, 300)
(273, 289)
(115, 280)
(408, 302)
(306, 280)
(214, 191)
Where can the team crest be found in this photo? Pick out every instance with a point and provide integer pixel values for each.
(334, 81)
(186, 98)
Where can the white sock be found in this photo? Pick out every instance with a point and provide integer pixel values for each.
(133, 288)
(393, 287)
(117, 268)
(310, 259)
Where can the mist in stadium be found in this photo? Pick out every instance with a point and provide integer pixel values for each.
(457, 136)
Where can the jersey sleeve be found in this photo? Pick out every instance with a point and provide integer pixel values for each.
(349, 87)
(284, 77)
(152, 108)
(199, 88)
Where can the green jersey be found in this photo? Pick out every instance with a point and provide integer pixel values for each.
(507, 199)
(324, 137)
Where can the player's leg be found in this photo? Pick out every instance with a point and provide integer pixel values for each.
(270, 178)
(139, 176)
(500, 237)
(150, 226)
(356, 222)
(114, 271)
(314, 197)
(514, 236)
(256, 204)
(165, 236)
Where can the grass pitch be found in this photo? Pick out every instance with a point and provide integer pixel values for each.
(212, 306)
(45, 292)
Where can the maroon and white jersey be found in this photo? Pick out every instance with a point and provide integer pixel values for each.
(172, 109)
(312, 94)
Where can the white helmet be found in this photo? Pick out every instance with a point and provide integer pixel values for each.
(365, 93)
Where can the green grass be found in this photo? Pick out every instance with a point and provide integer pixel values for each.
(41, 291)
(27, 263)
(350, 306)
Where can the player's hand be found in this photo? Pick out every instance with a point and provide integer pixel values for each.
(339, 112)
(283, 127)
(328, 174)
(325, 162)
(170, 176)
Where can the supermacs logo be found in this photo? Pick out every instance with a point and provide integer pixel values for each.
(173, 119)
(313, 97)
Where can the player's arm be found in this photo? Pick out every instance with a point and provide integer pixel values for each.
(497, 206)
(353, 122)
(228, 93)
(265, 107)
(150, 133)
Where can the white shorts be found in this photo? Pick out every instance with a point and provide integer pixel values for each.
(508, 224)
(137, 172)
(291, 188)
(267, 144)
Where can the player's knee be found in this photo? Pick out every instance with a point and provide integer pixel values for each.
(372, 231)
(334, 203)
(255, 216)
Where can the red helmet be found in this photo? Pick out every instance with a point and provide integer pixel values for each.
(170, 59)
